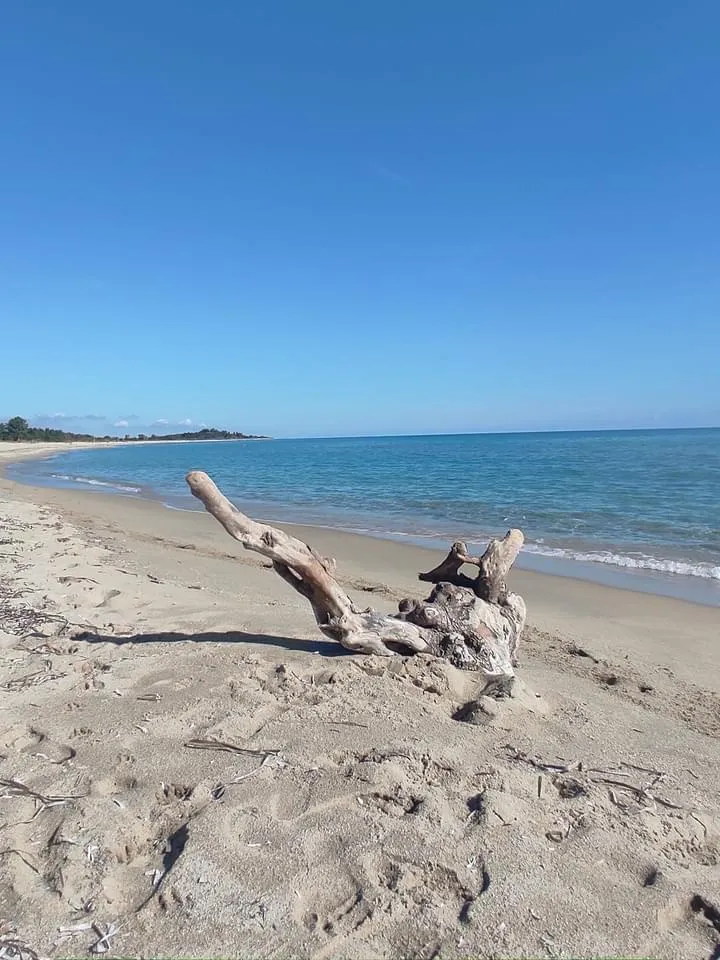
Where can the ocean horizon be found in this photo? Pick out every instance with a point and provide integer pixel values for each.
(631, 508)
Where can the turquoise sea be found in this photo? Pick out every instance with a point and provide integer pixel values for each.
(635, 508)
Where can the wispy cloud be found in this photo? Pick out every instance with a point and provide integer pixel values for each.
(68, 417)
(124, 421)
(387, 174)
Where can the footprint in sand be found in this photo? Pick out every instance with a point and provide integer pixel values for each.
(37, 743)
(429, 886)
(174, 791)
(394, 803)
(337, 907)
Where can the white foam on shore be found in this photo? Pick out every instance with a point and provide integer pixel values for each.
(708, 571)
(685, 568)
(97, 483)
(640, 561)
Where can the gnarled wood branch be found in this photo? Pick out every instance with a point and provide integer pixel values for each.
(476, 624)
(363, 631)
(493, 567)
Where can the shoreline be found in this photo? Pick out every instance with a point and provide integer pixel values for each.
(556, 603)
(11, 450)
(690, 589)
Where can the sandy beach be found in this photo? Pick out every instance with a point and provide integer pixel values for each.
(346, 808)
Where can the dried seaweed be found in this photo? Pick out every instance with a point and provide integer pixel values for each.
(14, 788)
(598, 776)
(13, 947)
(31, 680)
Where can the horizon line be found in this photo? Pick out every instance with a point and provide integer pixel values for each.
(496, 433)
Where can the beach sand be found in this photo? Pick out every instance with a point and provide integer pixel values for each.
(362, 816)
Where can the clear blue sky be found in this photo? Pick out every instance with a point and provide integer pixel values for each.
(320, 217)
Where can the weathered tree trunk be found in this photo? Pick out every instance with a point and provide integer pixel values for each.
(492, 566)
(476, 624)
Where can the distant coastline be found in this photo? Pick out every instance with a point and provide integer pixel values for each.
(18, 430)
(197, 436)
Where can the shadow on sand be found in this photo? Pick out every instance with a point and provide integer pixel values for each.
(323, 647)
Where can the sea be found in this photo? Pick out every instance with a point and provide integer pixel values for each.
(638, 509)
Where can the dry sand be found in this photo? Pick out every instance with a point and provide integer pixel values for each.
(362, 814)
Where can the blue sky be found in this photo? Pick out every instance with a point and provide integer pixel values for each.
(327, 218)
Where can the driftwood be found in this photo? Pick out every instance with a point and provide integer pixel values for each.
(492, 566)
(474, 623)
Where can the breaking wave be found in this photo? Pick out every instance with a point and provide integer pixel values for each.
(97, 483)
(686, 568)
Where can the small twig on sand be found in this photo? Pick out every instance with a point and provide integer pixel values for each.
(22, 856)
(698, 820)
(346, 723)
(103, 944)
(634, 766)
(212, 744)
(75, 928)
(640, 792)
(566, 767)
(244, 776)
(577, 651)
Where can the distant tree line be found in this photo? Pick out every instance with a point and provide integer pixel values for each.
(19, 429)
(208, 433)
(16, 429)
